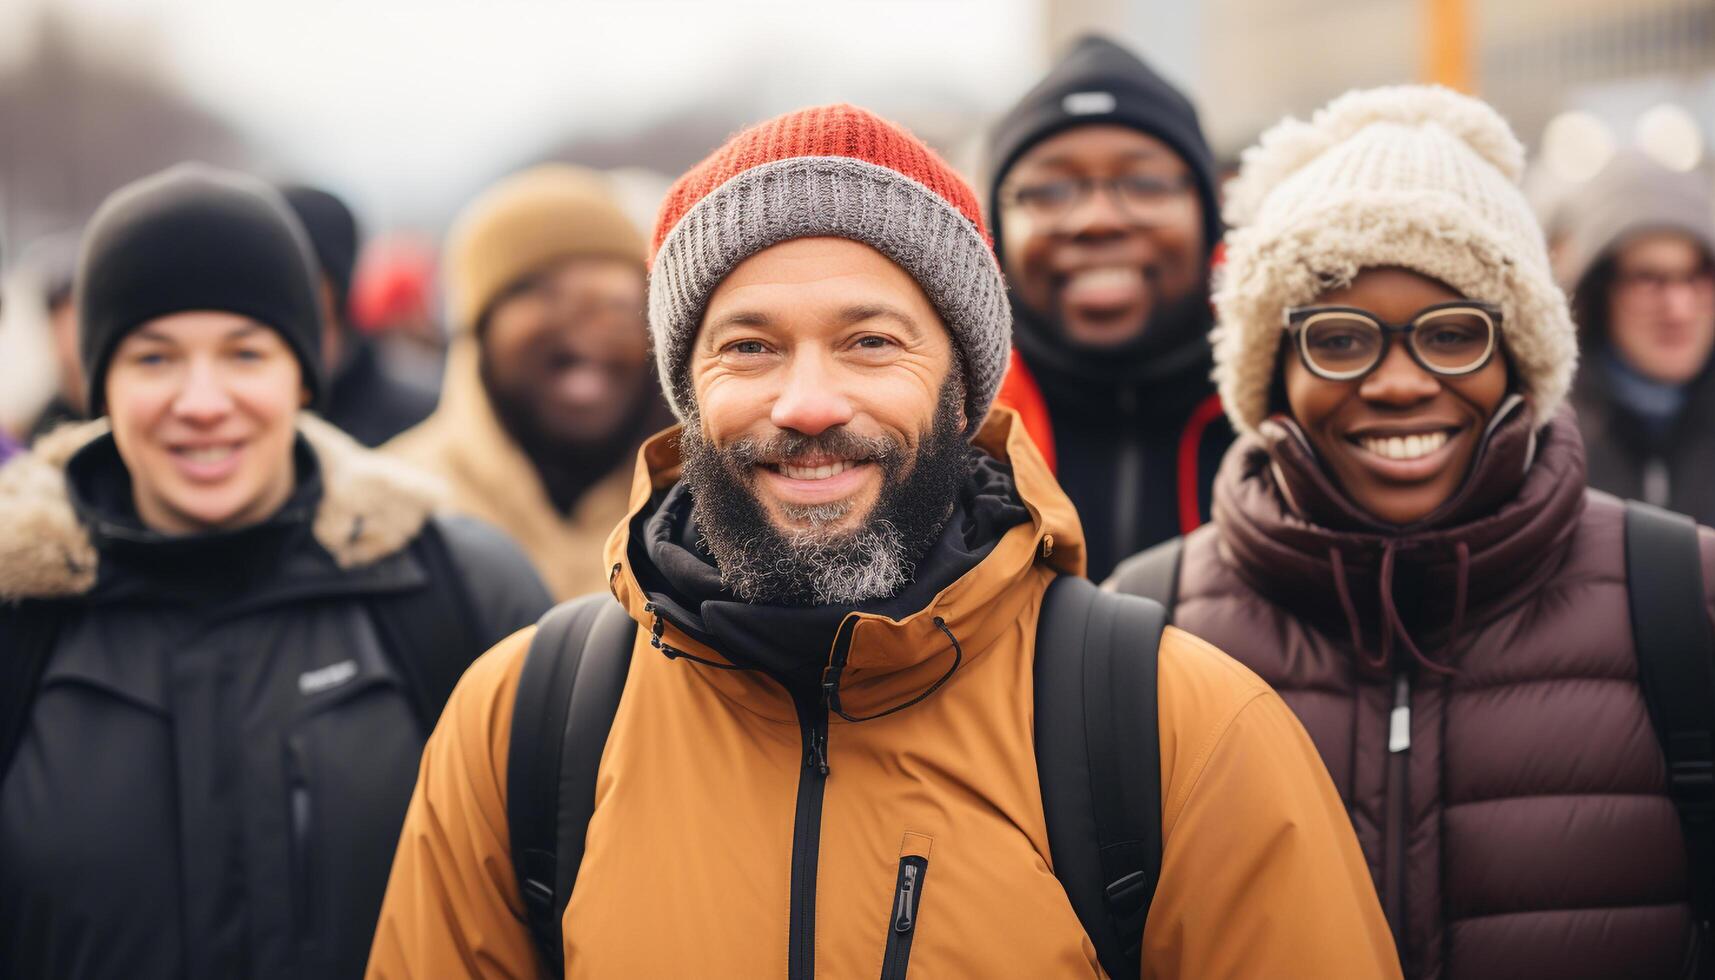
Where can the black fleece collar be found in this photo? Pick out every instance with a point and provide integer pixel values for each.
(139, 559)
(789, 642)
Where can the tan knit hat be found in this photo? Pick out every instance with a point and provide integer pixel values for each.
(1414, 176)
(529, 219)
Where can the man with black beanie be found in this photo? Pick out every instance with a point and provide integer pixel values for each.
(1105, 213)
(369, 402)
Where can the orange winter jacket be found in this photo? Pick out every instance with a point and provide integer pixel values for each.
(689, 861)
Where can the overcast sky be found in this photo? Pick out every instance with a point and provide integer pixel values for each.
(395, 101)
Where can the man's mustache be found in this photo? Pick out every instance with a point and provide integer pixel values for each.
(837, 442)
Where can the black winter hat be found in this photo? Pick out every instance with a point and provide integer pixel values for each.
(333, 233)
(1099, 82)
(195, 238)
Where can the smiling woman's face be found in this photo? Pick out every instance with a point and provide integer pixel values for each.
(204, 406)
(1380, 436)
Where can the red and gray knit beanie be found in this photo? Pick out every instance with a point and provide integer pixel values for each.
(832, 171)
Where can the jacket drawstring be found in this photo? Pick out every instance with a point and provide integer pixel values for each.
(658, 625)
(832, 685)
(1392, 623)
(1344, 591)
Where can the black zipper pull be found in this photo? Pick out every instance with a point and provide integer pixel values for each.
(818, 755)
(905, 909)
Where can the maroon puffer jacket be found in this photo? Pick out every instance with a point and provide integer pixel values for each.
(1523, 828)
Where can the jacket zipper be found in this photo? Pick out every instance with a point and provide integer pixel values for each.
(301, 814)
(1128, 480)
(812, 708)
(1398, 772)
(902, 924)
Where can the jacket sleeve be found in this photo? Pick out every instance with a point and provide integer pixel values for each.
(1261, 872)
(503, 586)
(452, 906)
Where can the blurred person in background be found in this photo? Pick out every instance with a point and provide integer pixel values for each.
(226, 628)
(9, 446)
(1639, 263)
(56, 261)
(39, 368)
(366, 400)
(1405, 546)
(548, 389)
(1104, 201)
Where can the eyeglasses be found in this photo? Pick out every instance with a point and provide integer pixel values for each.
(1140, 196)
(1653, 284)
(1341, 343)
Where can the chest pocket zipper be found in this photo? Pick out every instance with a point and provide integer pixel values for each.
(301, 817)
(902, 922)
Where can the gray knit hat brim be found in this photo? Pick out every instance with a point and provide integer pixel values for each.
(837, 197)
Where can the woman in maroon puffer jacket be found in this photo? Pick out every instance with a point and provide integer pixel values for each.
(1404, 546)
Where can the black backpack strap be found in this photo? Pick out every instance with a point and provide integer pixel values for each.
(27, 634)
(1676, 668)
(430, 633)
(1152, 574)
(1098, 755)
(567, 696)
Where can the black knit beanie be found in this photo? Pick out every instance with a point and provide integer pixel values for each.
(1099, 82)
(195, 238)
(333, 234)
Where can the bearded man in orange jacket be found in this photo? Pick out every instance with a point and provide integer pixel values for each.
(844, 557)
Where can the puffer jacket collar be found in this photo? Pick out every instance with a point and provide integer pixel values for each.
(360, 507)
(890, 656)
(1403, 592)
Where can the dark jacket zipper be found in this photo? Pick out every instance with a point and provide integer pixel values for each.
(812, 708)
(1128, 480)
(902, 924)
(301, 815)
(1397, 801)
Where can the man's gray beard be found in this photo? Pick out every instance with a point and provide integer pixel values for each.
(809, 563)
(868, 563)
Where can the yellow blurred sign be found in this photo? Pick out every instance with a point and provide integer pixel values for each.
(1447, 44)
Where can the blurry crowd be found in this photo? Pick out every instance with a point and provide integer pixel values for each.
(1348, 418)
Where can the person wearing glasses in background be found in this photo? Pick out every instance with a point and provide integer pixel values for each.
(1105, 214)
(1405, 547)
(1639, 264)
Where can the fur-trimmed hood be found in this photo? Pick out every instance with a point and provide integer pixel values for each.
(372, 506)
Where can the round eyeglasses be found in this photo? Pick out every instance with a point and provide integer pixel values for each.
(1341, 343)
(1144, 197)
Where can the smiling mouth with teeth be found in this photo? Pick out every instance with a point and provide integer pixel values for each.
(821, 472)
(206, 454)
(1404, 447)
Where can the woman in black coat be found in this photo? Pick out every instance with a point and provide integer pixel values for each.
(226, 627)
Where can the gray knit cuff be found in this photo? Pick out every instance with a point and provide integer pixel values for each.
(838, 197)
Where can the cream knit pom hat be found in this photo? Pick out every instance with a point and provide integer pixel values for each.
(1414, 176)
